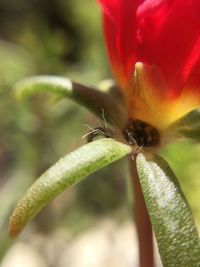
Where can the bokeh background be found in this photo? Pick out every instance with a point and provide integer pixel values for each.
(91, 224)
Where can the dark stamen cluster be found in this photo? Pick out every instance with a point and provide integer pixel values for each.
(141, 133)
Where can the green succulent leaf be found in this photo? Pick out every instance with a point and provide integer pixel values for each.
(68, 171)
(174, 227)
(96, 101)
(189, 125)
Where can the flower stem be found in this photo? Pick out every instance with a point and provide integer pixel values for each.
(143, 224)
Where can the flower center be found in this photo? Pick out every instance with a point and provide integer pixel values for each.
(140, 133)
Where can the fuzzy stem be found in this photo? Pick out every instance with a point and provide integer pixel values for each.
(143, 224)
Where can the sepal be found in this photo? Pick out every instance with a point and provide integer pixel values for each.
(188, 126)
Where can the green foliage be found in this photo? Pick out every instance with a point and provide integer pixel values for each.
(66, 172)
(94, 100)
(188, 125)
(170, 214)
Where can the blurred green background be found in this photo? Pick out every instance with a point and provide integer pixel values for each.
(62, 37)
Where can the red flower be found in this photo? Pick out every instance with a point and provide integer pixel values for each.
(164, 35)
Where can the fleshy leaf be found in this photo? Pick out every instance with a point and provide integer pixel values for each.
(94, 100)
(68, 171)
(173, 224)
(188, 126)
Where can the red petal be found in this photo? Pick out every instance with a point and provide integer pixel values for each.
(169, 36)
(120, 33)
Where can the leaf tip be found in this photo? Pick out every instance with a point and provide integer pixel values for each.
(13, 229)
(15, 225)
(18, 92)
